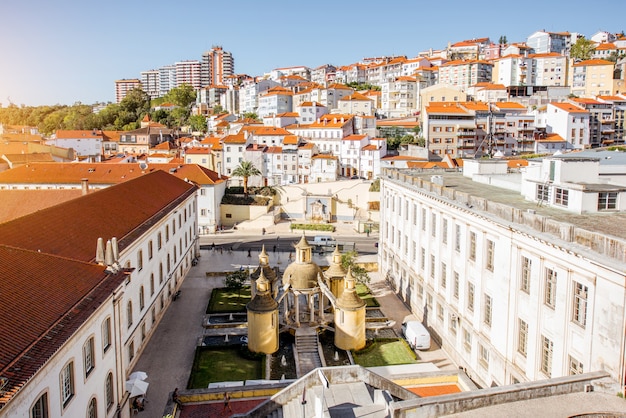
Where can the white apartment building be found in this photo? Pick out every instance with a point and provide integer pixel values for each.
(275, 101)
(548, 69)
(233, 147)
(356, 104)
(81, 367)
(324, 168)
(167, 79)
(464, 73)
(309, 112)
(249, 94)
(188, 72)
(306, 151)
(350, 155)
(514, 291)
(331, 95)
(150, 83)
(353, 73)
(570, 122)
(399, 97)
(88, 144)
(511, 70)
(327, 132)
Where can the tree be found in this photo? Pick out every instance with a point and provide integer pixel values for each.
(198, 123)
(246, 170)
(348, 260)
(502, 40)
(250, 115)
(183, 96)
(582, 49)
(235, 281)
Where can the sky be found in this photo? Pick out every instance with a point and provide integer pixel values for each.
(69, 51)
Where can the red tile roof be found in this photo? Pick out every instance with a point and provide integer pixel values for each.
(77, 224)
(44, 299)
(16, 203)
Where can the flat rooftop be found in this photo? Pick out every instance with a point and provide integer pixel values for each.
(608, 223)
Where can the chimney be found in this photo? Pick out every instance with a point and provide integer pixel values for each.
(116, 253)
(100, 251)
(108, 256)
(84, 183)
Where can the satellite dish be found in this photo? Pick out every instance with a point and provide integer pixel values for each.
(143, 165)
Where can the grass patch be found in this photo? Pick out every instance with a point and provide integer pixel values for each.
(364, 293)
(313, 227)
(385, 352)
(224, 300)
(222, 364)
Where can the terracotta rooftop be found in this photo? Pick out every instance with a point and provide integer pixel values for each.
(17, 203)
(77, 224)
(44, 299)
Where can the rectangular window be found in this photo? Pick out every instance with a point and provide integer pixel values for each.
(150, 250)
(455, 292)
(607, 200)
(444, 277)
(67, 383)
(89, 356)
(491, 246)
(432, 266)
(452, 326)
(131, 350)
(522, 337)
(159, 241)
(483, 356)
(433, 225)
(547, 348)
(472, 248)
(444, 231)
(467, 339)
(457, 238)
(575, 366)
(550, 288)
(423, 219)
(542, 192)
(561, 196)
(470, 297)
(440, 312)
(423, 258)
(525, 279)
(579, 311)
(106, 334)
(487, 312)
(414, 214)
(139, 260)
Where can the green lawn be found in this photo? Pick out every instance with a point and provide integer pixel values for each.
(222, 364)
(364, 293)
(385, 353)
(223, 300)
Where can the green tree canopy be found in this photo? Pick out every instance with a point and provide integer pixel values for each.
(348, 260)
(198, 123)
(250, 115)
(582, 50)
(246, 170)
(183, 96)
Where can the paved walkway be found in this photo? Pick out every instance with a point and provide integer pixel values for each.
(168, 356)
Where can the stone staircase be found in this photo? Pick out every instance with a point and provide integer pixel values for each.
(307, 351)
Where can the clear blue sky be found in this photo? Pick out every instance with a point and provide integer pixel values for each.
(68, 51)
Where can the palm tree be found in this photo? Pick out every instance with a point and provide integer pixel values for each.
(246, 169)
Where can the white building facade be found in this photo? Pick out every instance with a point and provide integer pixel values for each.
(508, 302)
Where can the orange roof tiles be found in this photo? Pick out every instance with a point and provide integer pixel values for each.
(354, 137)
(290, 140)
(568, 107)
(509, 105)
(17, 203)
(592, 62)
(551, 138)
(234, 139)
(355, 97)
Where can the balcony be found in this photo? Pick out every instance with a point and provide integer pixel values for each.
(466, 134)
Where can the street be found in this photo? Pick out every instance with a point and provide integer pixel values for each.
(364, 245)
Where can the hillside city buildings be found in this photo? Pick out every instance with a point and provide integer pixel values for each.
(515, 265)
